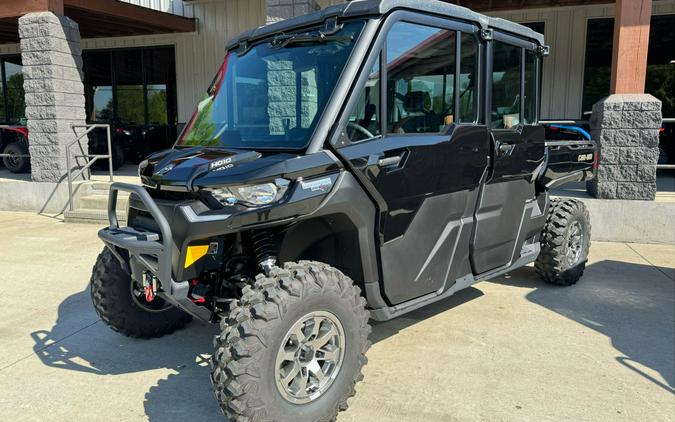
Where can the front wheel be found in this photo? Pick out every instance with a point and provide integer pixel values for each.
(565, 242)
(293, 347)
(120, 302)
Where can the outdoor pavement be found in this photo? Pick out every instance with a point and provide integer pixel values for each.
(508, 349)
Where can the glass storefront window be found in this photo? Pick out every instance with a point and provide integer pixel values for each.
(661, 62)
(131, 87)
(129, 90)
(99, 91)
(159, 67)
(660, 66)
(12, 104)
(598, 68)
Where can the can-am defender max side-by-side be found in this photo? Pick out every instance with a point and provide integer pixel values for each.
(358, 162)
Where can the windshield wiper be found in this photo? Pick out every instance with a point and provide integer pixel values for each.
(284, 40)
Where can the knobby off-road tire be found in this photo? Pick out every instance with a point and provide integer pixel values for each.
(565, 242)
(245, 362)
(111, 293)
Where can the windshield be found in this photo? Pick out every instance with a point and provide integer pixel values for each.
(273, 95)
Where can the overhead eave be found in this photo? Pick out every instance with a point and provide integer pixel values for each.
(96, 18)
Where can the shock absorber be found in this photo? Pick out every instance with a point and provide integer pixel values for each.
(264, 249)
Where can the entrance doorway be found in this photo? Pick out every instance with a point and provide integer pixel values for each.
(134, 90)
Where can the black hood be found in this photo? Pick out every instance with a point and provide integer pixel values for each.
(180, 167)
(204, 167)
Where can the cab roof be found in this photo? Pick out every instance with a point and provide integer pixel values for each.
(382, 7)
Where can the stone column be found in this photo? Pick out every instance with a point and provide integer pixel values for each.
(52, 71)
(278, 10)
(626, 130)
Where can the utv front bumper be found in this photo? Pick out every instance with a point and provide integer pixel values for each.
(141, 251)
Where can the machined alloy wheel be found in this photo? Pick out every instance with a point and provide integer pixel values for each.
(575, 244)
(292, 347)
(310, 357)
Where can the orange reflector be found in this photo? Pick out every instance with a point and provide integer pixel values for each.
(194, 253)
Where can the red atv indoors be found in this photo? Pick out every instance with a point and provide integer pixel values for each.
(14, 143)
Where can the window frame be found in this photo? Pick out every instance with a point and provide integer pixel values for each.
(378, 50)
(524, 45)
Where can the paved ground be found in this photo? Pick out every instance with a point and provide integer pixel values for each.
(510, 349)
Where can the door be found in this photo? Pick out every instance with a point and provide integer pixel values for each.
(517, 150)
(414, 144)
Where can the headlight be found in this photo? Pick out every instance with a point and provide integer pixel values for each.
(251, 195)
(258, 194)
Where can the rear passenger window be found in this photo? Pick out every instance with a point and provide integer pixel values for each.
(420, 79)
(529, 97)
(506, 85)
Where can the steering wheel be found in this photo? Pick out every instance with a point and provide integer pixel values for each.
(362, 132)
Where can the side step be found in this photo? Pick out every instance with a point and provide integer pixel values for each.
(528, 254)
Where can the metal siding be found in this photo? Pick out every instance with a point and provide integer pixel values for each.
(176, 7)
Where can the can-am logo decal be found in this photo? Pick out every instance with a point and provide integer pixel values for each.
(585, 157)
(321, 185)
(223, 164)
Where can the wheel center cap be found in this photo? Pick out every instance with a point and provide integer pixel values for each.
(305, 354)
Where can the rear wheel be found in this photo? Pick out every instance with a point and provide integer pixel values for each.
(120, 302)
(565, 242)
(293, 347)
(15, 163)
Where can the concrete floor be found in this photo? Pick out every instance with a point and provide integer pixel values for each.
(508, 349)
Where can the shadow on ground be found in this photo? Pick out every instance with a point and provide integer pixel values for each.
(631, 304)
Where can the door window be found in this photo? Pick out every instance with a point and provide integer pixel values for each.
(364, 121)
(420, 79)
(506, 85)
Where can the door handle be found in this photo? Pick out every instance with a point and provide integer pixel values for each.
(389, 161)
(504, 149)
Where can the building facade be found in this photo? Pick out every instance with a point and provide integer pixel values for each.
(144, 64)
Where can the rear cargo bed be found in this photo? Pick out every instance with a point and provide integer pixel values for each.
(569, 161)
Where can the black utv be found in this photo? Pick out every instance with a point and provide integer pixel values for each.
(354, 163)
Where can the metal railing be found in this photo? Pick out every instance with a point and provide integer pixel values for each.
(90, 158)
